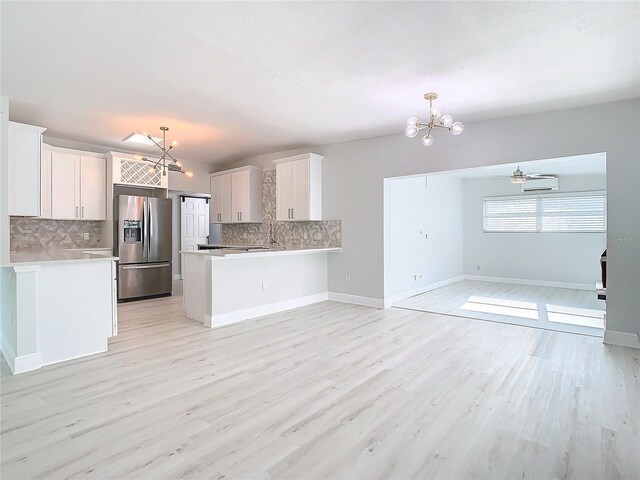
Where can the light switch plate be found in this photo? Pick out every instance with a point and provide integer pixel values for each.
(85, 236)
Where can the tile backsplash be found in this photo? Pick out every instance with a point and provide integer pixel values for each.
(38, 234)
(327, 233)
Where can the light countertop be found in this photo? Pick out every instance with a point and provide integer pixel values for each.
(38, 257)
(224, 254)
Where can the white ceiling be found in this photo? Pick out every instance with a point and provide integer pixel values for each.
(235, 79)
(590, 164)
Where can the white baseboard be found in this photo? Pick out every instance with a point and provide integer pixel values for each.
(358, 300)
(425, 288)
(536, 283)
(27, 363)
(177, 276)
(622, 339)
(262, 310)
(8, 353)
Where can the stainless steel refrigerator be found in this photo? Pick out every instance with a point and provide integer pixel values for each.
(143, 228)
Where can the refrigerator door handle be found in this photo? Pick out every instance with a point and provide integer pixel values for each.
(150, 229)
(142, 267)
(145, 230)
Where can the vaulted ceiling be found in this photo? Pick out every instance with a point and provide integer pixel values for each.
(234, 79)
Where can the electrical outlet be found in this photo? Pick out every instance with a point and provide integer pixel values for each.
(305, 235)
(347, 278)
(265, 287)
(85, 236)
(415, 278)
(317, 236)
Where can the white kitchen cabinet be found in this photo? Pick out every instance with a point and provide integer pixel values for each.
(45, 183)
(220, 205)
(93, 188)
(78, 186)
(236, 196)
(299, 188)
(65, 186)
(24, 150)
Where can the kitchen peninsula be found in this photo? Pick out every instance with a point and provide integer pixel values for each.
(225, 286)
(60, 305)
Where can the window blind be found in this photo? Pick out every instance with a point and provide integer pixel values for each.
(566, 212)
(573, 213)
(510, 214)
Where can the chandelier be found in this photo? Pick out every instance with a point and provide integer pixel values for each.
(435, 121)
(166, 162)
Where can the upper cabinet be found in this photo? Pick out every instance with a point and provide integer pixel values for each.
(220, 205)
(236, 196)
(24, 152)
(78, 185)
(45, 182)
(299, 188)
(93, 188)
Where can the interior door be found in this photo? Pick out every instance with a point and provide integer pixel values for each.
(300, 176)
(240, 202)
(194, 222)
(65, 186)
(284, 191)
(159, 230)
(93, 188)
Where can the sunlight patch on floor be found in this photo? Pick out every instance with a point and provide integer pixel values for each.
(498, 306)
(575, 316)
(530, 310)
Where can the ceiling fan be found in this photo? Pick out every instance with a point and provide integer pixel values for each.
(519, 177)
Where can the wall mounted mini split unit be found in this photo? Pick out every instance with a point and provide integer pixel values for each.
(540, 185)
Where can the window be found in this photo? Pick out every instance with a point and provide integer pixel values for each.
(511, 214)
(584, 212)
(563, 212)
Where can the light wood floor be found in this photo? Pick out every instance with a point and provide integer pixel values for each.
(559, 309)
(327, 391)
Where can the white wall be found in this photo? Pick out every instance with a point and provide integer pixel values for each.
(8, 331)
(199, 183)
(353, 174)
(4, 176)
(175, 233)
(572, 258)
(423, 233)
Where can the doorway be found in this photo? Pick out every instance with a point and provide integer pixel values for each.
(479, 244)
